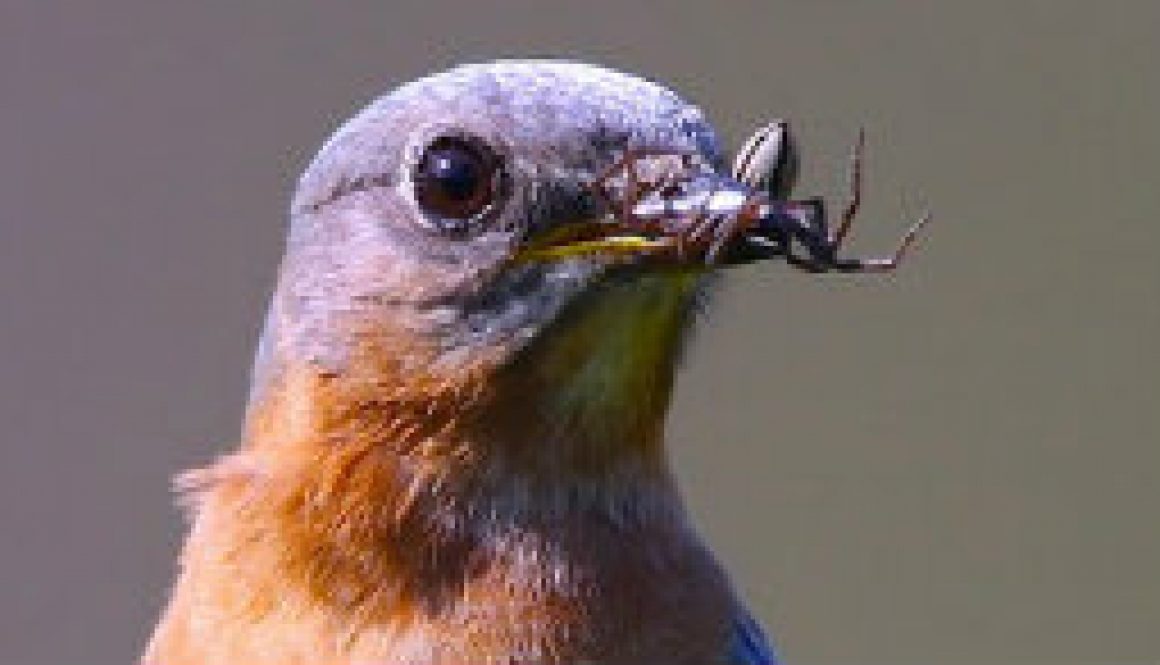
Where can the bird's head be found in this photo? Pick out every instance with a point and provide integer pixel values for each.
(454, 264)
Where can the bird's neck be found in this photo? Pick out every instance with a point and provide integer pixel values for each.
(392, 524)
(382, 493)
(341, 484)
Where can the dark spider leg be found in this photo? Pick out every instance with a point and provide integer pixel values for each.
(733, 227)
(822, 251)
(805, 223)
(814, 233)
(803, 264)
(626, 163)
(884, 264)
(692, 231)
(854, 198)
(758, 248)
(724, 232)
(816, 242)
(823, 246)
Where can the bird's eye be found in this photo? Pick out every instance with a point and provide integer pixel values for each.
(455, 180)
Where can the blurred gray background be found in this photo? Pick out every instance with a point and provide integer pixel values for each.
(958, 464)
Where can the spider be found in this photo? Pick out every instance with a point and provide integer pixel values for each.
(683, 209)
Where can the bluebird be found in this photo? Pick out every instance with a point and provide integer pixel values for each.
(453, 447)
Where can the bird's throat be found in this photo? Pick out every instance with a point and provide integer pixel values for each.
(591, 392)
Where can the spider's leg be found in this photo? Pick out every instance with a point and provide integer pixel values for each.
(803, 264)
(728, 230)
(884, 264)
(625, 164)
(854, 198)
(725, 231)
(804, 223)
(693, 232)
(807, 225)
(635, 188)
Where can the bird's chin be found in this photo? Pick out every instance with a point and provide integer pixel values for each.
(605, 365)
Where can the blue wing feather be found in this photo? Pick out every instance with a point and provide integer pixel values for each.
(749, 645)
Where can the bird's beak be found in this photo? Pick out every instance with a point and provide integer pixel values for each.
(688, 218)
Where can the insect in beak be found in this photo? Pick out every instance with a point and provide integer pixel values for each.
(671, 209)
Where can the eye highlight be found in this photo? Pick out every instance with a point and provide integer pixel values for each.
(456, 179)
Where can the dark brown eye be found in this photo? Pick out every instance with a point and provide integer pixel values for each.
(455, 180)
